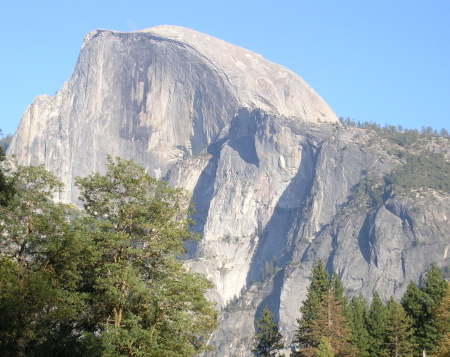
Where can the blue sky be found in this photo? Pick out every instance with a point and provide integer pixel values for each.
(372, 60)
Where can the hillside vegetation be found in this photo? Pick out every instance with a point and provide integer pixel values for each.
(422, 161)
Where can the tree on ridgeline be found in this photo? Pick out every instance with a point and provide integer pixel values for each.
(267, 338)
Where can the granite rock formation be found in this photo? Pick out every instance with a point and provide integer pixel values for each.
(272, 172)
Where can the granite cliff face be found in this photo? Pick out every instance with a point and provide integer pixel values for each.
(156, 96)
(272, 172)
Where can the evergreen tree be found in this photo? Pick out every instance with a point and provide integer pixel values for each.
(433, 289)
(145, 302)
(267, 338)
(412, 302)
(35, 240)
(323, 316)
(441, 318)
(331, 323)
(419, 305)
(376, 326)
(360, 335)
(320, 285)
(106, 284)
(324, 349)
(338, 292)
(399, 330)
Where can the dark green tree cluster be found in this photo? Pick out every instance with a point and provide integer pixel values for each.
(331, 325)
(104, 281)
(267, 339)
(420, 304)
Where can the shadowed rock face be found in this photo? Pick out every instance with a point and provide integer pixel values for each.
(285, 198)
(270, 170)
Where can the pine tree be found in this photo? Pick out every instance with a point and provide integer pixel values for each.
(267, 338)
(376, 326)
(412, 302)
(433, 289)
(441, 319)
(419, 305)
(399, 330)
(324, 349)
(323, 316)
(338, 292)
(360, 335)
(331, 323)
(320, 285)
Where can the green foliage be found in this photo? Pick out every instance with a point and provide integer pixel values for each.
(146, 301)
(270, 269)
(324, 349)
(433, 290)
(107, 283)
(320, 285)
(358, 323)
(323, 315)
(267, 338)
(6, 183)
(419, 304)
(338, 291)
(398, 341)
(395, 133)
(426, 169)
(376, 326)
(441, 318)
(422, 163)
(33, 305)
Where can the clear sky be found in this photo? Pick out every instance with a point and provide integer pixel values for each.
(386, 61)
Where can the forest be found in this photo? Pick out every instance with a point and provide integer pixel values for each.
(103, 281)
(331, 325)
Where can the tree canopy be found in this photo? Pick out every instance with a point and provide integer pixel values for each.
(105, 281)
(267, 338)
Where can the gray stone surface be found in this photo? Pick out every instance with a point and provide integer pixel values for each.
(270, 170)
(156, 96)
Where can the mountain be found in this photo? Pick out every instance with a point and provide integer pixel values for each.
(156, 96)
(278, 182)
